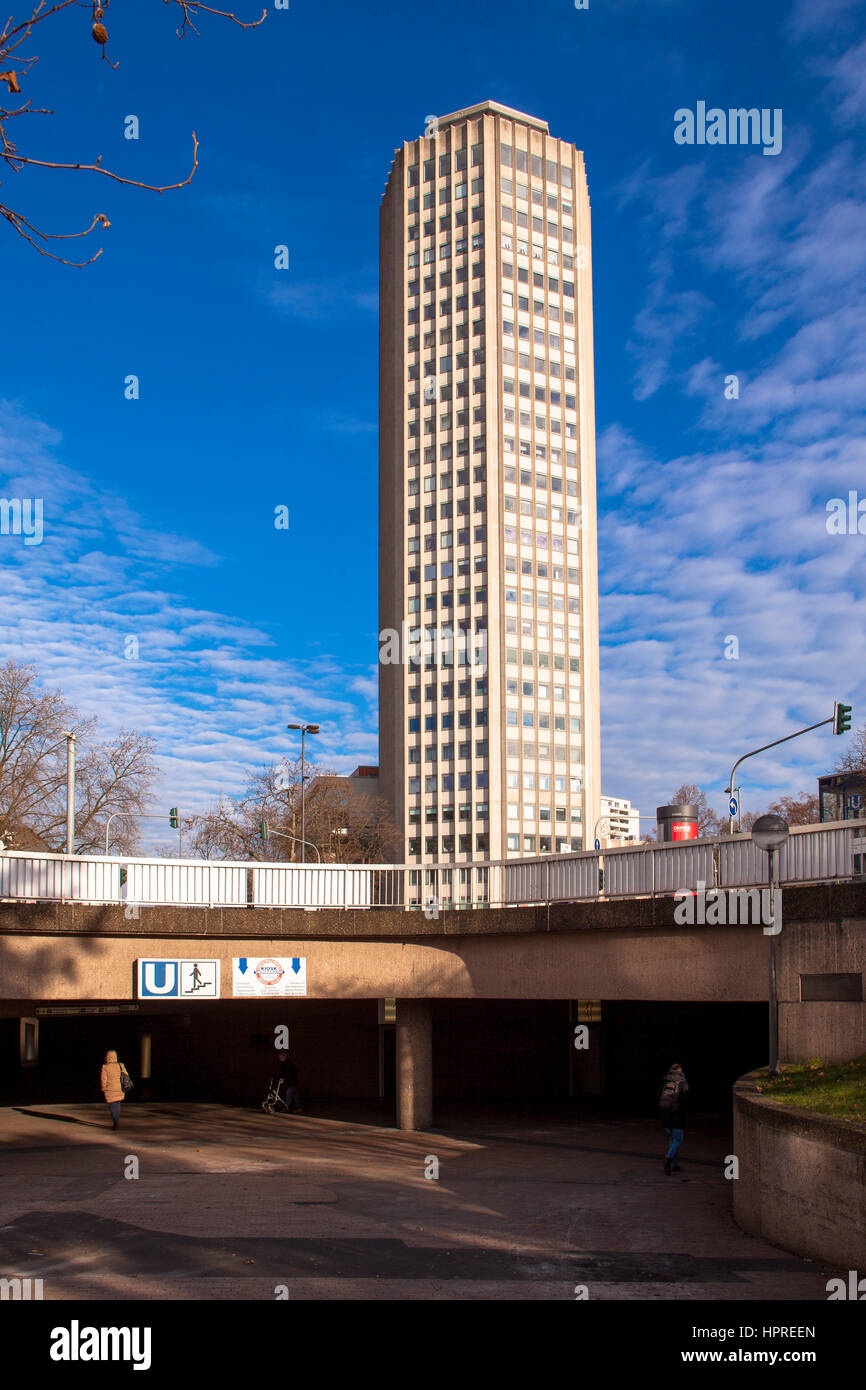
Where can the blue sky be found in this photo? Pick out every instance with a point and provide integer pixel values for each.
(258, 386)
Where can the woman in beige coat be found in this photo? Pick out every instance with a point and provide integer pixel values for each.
(110, 1084)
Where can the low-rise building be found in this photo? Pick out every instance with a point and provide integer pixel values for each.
(623, 821)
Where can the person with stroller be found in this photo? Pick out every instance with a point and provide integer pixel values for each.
(288, 1082)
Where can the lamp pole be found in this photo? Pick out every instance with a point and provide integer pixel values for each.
(304, 729)
(266, 832)
(70, 793)
(770, 833)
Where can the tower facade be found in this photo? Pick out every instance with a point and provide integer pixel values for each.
(488, 571)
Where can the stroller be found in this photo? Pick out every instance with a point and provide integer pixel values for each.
(274, 1104)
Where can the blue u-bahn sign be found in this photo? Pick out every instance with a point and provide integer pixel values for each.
(178, 979)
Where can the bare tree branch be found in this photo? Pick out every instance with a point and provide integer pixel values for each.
(15, 71)
(114, 776)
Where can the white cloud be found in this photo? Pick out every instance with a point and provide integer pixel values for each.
(210, 687)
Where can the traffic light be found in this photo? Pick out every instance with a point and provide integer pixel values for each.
(263, 829)
(841, 718)
(173, 818)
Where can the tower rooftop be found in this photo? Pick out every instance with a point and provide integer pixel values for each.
(496, 108)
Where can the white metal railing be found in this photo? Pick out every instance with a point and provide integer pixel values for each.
(813, 854)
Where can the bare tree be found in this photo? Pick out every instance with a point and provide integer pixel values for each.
(798, 810)
(111, 776)
(854, 757)
(16, 65)
(345, 827)
(709, 823)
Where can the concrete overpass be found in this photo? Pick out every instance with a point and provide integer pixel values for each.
(543, 967)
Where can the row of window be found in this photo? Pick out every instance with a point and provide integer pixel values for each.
(540, 538)
(446, 540)
(445, 334)
(471, 241)
(554, 483)
(447, 306)
(446, 752)
(530, 779)
(510, 474)
(530, 752)
(432, 782)
(458, 189)
(534, 164)
(540, 339)
(413, 576)
(446, 364)
(464, 689)
(516, 218)
(530, 690)
(512, 658)
(446, 813)
(458, 224)
(446, 721)
(541, 813)
(526, 391)
(464, 844)
(556, 602)
(543, 511)
(446, 600)
(447, 510)
(543, 571)
(544, 844)
(541, 752)
(538, 278)
(539, 309)
(552, 256)
(530, 719)
(446, 424)
(413, 172)
(460, 479)
(522, 190)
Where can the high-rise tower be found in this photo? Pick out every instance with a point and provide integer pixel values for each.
(488, 602)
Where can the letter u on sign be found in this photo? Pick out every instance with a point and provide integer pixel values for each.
(158, 977)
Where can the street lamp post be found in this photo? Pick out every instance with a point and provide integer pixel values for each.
(305, 729)
(770, 833)
(70, 793)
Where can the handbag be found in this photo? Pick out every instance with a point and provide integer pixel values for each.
(126, 1081)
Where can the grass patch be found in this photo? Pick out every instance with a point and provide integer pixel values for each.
(838, 1090)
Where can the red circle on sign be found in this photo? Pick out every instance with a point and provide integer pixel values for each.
(269, 972)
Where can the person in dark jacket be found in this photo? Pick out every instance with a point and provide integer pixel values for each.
(671, 1100)
(289, 1078)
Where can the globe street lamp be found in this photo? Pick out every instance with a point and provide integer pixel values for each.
(770, 833)
(305, 729)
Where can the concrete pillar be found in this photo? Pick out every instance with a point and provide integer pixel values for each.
(414, 1064)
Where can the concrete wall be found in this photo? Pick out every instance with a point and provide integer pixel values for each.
(831, 1030)
(695, 964)
(802, 1182)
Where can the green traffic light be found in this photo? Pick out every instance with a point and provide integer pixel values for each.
(842, 721)
(173, 818)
